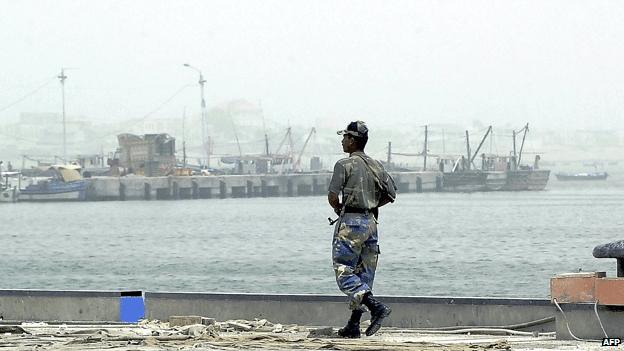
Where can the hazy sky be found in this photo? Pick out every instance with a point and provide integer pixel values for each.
(550, 63)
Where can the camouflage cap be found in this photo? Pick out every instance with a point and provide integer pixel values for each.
(357, 129)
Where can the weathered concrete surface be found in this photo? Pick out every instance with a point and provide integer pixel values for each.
(409, 182)
(153, 335)
(38, 305)
(408, 312)
(583, 322)
(237, 186)
(319, 310)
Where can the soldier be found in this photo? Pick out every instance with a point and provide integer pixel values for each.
(354, 246)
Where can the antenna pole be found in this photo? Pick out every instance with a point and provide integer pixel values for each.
(184, 138)
(62, 78)
(468, 150)
(425, 150)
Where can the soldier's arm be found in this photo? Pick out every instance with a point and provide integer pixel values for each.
(336, 185)
(334, 202)
(392, 186)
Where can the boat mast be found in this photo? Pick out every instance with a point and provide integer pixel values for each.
(62, 78)
(183, 138)
(526, 129)
(425, 150)
(514, 151)
(298, 163)
(468, 150)
(480, 144)
(389, 157)
(240, 151)
(266, 137)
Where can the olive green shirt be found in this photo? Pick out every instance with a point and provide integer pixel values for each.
(353, 178)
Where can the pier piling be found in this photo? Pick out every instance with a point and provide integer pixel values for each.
(236, 186)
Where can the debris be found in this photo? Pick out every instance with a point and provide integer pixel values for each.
(322, 333)
(12, 329)
(237, 325)
(180, 321)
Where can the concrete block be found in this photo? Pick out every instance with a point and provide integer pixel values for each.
(50, 305)
(610, 291)
(582, 320)
(574, 287)
(323, 310)
(587, 288)
(180, 321)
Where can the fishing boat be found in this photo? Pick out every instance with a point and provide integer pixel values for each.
(524, 177)
(9, 192)
(464, 181)
(465, 177)
(527, 179)
(64, 183)
(582, 176)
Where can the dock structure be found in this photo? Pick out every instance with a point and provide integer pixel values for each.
(535, 320)
(237, 186)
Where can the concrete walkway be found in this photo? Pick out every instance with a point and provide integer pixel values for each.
(255, 335)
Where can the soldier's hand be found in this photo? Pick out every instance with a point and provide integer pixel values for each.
(338, 209)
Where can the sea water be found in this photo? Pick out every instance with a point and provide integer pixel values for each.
(437, 244)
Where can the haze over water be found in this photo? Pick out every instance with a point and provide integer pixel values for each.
(480, 244)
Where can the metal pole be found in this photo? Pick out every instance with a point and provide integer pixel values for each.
(514, 151)
(184, 138)
(202, 81)
(526, 129)
(62, 78)
(425, 151)
(205, 144)
(468, 150)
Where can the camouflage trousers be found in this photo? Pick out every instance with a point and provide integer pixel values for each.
(354, 255)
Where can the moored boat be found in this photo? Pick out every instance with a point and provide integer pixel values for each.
(10, 194)
(464, 181)
(9, 191)
(495, 180)
(526, 179)
(582, 176)
(65, 184)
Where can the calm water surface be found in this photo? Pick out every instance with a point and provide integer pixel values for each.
(481, 244)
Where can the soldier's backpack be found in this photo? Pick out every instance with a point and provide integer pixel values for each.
(383, 180)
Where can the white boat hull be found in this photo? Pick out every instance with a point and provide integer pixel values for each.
(9, 195)
(69, 196)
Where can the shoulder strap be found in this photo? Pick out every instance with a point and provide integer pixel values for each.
(377, 179)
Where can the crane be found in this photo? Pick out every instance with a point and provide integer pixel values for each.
(297, 166)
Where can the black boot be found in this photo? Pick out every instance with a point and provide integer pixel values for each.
(352, 329)
(378, 311)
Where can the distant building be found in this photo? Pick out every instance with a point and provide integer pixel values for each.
(150, 155)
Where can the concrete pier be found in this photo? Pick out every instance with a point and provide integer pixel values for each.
(40, 305)
(533, 315)
(409, 312)
(237, 186)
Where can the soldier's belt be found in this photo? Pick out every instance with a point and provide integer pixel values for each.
(349, 209)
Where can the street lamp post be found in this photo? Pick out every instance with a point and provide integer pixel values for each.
(62, 78)
(201, 82)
